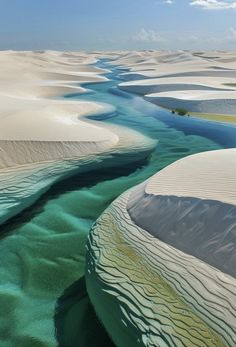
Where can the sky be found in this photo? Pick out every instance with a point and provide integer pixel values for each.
(117, 24)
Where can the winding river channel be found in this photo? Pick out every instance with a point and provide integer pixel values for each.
(55, 309)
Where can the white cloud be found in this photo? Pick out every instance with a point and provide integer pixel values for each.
(187, 40)
(168, 2)
(144, 35)
(165, 2)
(214, 4)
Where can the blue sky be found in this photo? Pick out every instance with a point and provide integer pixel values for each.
(117, 24)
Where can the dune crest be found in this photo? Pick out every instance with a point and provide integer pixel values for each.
(44, 137)
(161, 258)
(201, 82)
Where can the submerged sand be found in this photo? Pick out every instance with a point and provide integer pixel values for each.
(44, 138)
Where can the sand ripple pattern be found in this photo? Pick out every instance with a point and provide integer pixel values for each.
(148, 293)
(22, 185)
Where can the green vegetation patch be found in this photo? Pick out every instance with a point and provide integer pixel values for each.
(180, 111)
(230, 85)
(216, 117)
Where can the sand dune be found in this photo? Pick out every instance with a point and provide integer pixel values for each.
(154, 85)
(193, 203)
(209, 102)
(44, 137)
(207, 79)
(35, 128)
(160, 265)
(44, 74)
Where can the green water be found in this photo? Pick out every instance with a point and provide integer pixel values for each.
(43, 299)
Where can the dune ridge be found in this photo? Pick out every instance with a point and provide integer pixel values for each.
(132, 285)
(197, 81)
(150, 291)
(44, 137)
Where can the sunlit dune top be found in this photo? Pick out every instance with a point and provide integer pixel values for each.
(208, 175)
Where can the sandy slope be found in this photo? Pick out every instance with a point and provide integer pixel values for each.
(172, 79)
(202, 176)
(200, 101)
(161, 258)
(191, 205)
(44, 137)
(35, 128)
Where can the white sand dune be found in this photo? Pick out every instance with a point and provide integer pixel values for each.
(44, 137)
(61, 117)
(202, 101)
(35, 128)
(172, 79)
(155, 85)
(193, 203)
(150, 284)
(44, 74)
(161, 258)
(21, 185)
(201, 176)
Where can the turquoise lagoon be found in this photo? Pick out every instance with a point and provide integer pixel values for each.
(43, 297)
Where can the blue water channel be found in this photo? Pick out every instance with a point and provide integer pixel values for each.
(45, 291)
